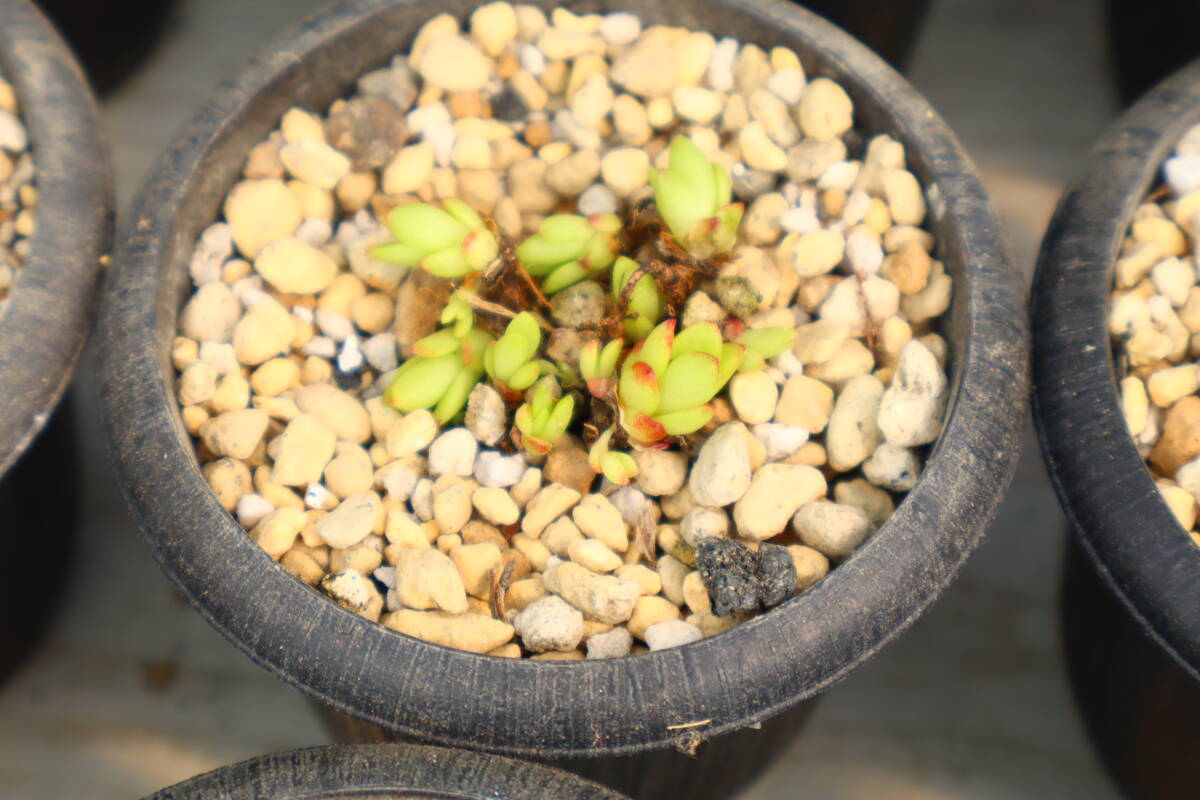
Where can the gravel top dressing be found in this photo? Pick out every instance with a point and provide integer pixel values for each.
(563, 338)
(18, 196)
(1154, 322)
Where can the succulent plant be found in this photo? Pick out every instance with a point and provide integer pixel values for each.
(620, 468)
(509, 360)
(569, 248)
(449, 242)
(763, 343)
(542, 421)
(598, 365)
(693, 196)
(646, 304)
(444, 368)
(667, 381)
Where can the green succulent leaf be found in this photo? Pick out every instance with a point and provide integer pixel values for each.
(425, 227)
(448, 263)
(565, 228)
(524, 377)
(656, 348)
(768, 342)
(540, 255)
(689, 420)
(398, 253)
(638, 389)
(437, 344)
(731, 359)
(455, 396)
(463, 213)
(690, 380)
(421, 382)
(564, 277)
(703, 337)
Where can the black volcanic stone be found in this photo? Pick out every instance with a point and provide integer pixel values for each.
(776, 575)
(509, 106)
(730, 574)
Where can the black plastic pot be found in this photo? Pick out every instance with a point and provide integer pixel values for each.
(1135, 660)
(384, 772)
(49, 313)
(545, 710)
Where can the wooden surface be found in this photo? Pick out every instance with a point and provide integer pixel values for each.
(133, 691)
(53, 301)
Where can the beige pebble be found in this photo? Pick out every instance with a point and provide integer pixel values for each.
(775, 494)
(275, 377)
(355, 592)
(524, 592)
(649, 580)
(825, 111)
(452, 502)
(874, 502)
(1135, 404)
(197, 383)
(605, 598)
(264, 332)
(754, 396)
(597, 517)
(211, 314)
(314, 162)
(631, 120)
(340, 411)
(453, 63)
(229, 480)
(301, 452)
(1165, 386)
(235, 433)
(593, 555)
(559, 535)
(350, 471)
(475, 563)
(648, 610)
(353, 519)
(757, 149)
(535, 551)
(625, 170)
(904, 197)
(495, 505)
(811, 565)
(472, 632)
(853, 429)
(409, 170)
(833, 529)
(494, 25)
(1181, 503)
(805, 403)
(260, 212)
(546, 506)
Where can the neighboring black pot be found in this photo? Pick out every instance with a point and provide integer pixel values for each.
(112, 39)
(1131, 539)
(889, 27)
(49, 313)
(1148, 40)
(379, 772)
(546, 710)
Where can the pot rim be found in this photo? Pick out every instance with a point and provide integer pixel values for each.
(1155, 572)
(53, 302)
(421, 772)
(614, 707)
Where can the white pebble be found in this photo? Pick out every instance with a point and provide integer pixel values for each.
(1182, 173)
(596, 199)
(496, 470)
(779, 440)
(532, 60)
(671, 633)
(334, 325)
(453, 453)
(720, 64)
(380, 351)
(251, 508)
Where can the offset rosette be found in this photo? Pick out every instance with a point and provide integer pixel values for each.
(510, 359)
(620, 468)
(449, 242)
(667, 381)
(542, 421)
(569, 248)
(445, 366)
(646, 303)
(693, 196)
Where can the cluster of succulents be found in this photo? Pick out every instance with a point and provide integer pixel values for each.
(638, 371)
